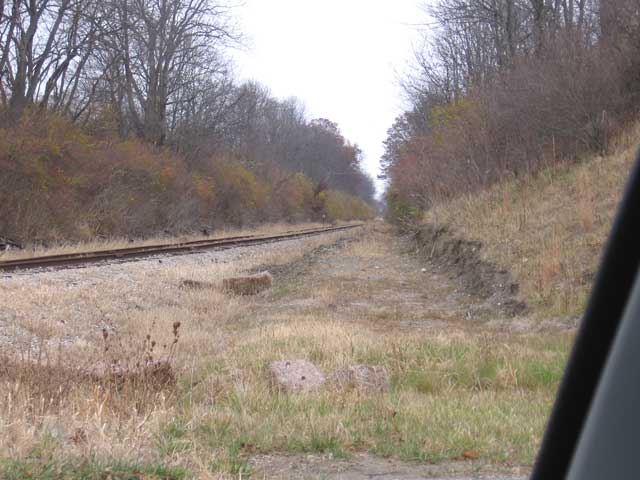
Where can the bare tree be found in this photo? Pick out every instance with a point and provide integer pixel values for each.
(45, 47)
(503, 86)
(163, 49)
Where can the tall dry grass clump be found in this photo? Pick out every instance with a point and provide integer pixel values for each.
(62, 413)
(120, 370)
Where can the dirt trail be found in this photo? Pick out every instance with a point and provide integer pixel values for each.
(380, 282)
(366, 467)
(383, 282)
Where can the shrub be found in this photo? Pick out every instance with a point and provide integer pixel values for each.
(342, 206)
(60, 183)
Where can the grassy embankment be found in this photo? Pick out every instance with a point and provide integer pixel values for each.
(547, 229)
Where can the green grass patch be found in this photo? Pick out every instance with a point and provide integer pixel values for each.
(72, 469)
(449, 395)
(173, 438)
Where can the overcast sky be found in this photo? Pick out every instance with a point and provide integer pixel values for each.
(342, 58)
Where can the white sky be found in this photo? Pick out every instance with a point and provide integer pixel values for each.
(342, 58)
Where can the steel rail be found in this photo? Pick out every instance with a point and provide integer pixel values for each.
(132, 253)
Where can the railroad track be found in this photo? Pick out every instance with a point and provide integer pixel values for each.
(133, 253)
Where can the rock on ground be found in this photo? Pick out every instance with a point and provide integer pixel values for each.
(249, 284)
(296, 376)
(372, 378)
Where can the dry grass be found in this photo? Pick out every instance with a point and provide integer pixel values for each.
(114, 243)
(547, 229)
(458, 393)
(368, 247)
(54, 325)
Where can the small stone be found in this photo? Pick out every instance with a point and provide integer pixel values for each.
(371, 378)
(296, 376)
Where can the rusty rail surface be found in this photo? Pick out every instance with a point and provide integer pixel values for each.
(131, 253)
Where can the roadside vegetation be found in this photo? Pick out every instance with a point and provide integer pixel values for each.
(61, 184)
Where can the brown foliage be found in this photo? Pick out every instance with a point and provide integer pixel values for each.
(537, 113)
(506, 88)
(59, 183)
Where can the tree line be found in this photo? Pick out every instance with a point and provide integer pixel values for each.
(147, 85)
(503, 87)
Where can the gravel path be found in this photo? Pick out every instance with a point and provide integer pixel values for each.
(73, 305)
